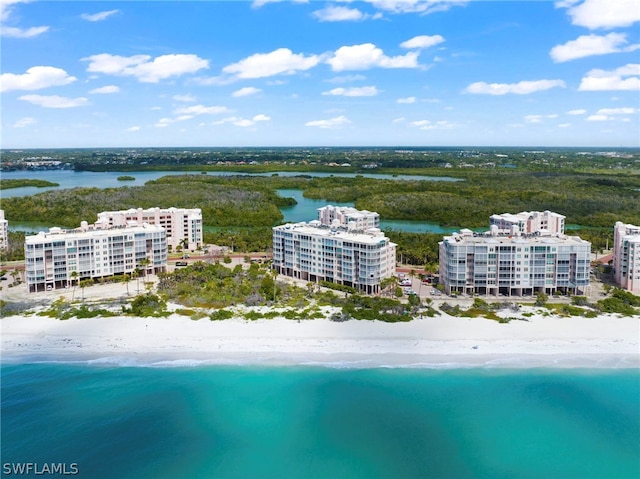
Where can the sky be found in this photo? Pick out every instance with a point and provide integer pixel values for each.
(320, 73)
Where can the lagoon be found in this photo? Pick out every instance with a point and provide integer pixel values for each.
(109, 179)
(304, 210)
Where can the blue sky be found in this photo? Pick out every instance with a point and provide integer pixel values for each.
(315, 73)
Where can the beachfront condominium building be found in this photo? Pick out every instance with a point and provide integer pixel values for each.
(4, 231)
(345, 215)
(528, 222)
(58, 258)
(183, 225)
(339, 254)
(509, 264)
(626, 256)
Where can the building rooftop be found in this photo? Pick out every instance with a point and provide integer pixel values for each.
(314, 228)
(544, 237)
(59, 233)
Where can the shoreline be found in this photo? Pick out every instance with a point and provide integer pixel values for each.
(443, 342)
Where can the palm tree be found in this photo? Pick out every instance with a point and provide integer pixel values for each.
(83, 284)
(126, 278)
(274, 275)
(136, 274)
(184, 244)
(145, 262)
(74, 280)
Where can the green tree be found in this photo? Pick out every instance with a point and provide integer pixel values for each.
(83, 284)
(74, 281)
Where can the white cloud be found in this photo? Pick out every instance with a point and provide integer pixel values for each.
(162, 122)
(339, 14)
(24, 122)
(133, 128)
(346, 78)
(98, 17)
(422, 41)
(189, 112)
(144, 68)
(184, 98)
(243, 122)
(16, 32)
(36, 78)
(520, 88)
(589, 45)
(564, 125)
(201, 110)
(433, 125)
(331, 123)
(106, 89)
(367, 55)
(280, 61)
(618, 111)
(576, 112)
(246, 91)
(355, 91)
(261, 3)
(605, 14)
(599, 118)
(415, 6)
(538, 118)
(55, 101)
(406, 101)
(622, 78)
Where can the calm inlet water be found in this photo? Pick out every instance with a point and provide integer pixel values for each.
(305, 422)
(305, 210)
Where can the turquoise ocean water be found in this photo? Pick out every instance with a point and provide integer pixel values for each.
(321, 422)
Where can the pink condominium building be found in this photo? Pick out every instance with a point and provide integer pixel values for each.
(183, 225)
(528, 222)
(626, 256)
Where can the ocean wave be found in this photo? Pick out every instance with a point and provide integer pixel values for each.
(557, 361)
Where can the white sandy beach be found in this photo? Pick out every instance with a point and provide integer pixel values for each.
(607, 341)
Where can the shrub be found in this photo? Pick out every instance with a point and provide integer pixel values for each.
(221, 315)
(147, 304)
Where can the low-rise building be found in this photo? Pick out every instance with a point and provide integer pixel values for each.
(512, 264)
(626, 256)
(59, 258)
(344, 255)
(528, 222)
(345, 215)
(182, 225)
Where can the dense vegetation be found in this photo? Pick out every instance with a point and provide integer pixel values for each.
(222, 205)
(6, 184)
(349, 159)
(238, 211)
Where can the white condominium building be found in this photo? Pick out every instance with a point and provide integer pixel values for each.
(316, 252)
(529, 222)
(344, 215)
(183, 225)
(626, 256)
(4, 231)
(514, 265)
(60, 257)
